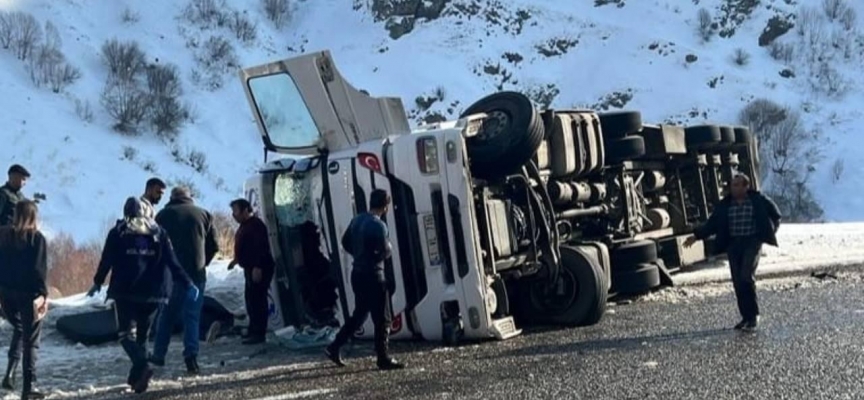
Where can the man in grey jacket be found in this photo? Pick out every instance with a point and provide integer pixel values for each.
(191, 231)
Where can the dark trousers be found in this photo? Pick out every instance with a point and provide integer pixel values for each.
(744, 253)
(257, 306)
(26, 332)
(370, 297)
(133, 323)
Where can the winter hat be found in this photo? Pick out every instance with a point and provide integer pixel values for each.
(135, 217)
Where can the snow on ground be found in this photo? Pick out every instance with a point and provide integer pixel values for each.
(638, 48)
(802, 247)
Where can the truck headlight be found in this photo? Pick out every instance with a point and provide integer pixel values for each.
(427, 155)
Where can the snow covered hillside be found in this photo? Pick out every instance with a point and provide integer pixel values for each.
(643, 55)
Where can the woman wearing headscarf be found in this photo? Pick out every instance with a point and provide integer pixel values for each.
(23, 293)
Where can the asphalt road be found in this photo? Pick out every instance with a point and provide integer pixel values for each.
(674, 346)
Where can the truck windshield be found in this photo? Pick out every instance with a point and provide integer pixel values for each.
(293, 199)
(283, 113)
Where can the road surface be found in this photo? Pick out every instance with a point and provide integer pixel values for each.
(673, 345)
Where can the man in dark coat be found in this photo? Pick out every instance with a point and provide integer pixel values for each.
(252, 253)
(10, 193)
(366, 239)
(191, 231)
(742, 222)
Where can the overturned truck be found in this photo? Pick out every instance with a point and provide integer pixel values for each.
(508, 216)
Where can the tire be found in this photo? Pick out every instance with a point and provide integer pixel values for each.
(636, 281)
(702, 135)
(618, 124)
(625, 149)
(631, 254)
(509, 137)
(743, 135)
(89, 328)
(727, 135)
(582, 297)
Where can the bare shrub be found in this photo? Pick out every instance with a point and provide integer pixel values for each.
(205, 12)
(837, 170)
(129, 153)
(225, 227)
(782, 52)
(27, 33)
(244, 29)
(849, 19)
(198, 160)
(164, 80)
(834, 9)
(126, 104)
(63, 75)
(83, 110)
(71, 266)
(215, 59)
(789, 153)
(741, 57)
(167, 116)
(130, 16)
(7, 29)
(277, 11)
(705, 23)
(123, 59)
(807, 18)
(830, 81)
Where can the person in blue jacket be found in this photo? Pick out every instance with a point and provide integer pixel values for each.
(139, 255)
(367, 240)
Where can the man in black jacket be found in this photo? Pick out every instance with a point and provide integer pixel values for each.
(366, 239)
(10, 193)
(252, 253)
(138, 253)
(742, 222)
(191, 231)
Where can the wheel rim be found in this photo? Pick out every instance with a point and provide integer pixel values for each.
(495, 124)
(556, 297)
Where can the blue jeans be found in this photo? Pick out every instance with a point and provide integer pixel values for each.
(191, 312)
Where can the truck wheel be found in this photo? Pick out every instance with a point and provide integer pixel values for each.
(702, 135)
(509, 137)
(618, 124)
(727, 135)
(636, 281)
(743, 135)
(624, 149)
(638, 252)
(579, 295)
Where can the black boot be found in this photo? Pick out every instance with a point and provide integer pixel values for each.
(192, 365)
(9, 378)
(30, 392)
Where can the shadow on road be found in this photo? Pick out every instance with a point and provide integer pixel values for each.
(611, 344)
(273, 378)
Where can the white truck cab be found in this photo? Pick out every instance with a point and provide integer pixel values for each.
(506, 215)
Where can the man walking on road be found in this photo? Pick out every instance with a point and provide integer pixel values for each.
(252, 253)
(742, 222)
(10, 193)
(191, 231)
(137, 253)
(366, 239)
(153, 192)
